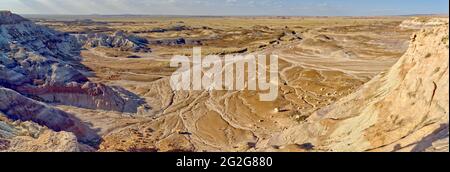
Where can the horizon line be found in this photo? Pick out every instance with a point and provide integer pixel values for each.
(256, 15)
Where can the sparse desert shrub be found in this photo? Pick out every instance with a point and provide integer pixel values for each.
(445, 40)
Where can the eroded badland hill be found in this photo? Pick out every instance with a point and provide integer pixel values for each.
(103, 84)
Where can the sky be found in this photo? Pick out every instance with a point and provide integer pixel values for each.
(229, 7)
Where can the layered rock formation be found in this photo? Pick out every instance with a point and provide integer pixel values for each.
(119, 40)
(31, 137)
(43, 63)
(35, 55)
(86, 95)
(18, 107)
(404, 109)
(38, 66)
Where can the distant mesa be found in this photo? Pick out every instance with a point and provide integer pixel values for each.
(176, 28)
(175, 42)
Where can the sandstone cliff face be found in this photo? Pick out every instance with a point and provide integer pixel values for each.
(86, 95)
(405, 109)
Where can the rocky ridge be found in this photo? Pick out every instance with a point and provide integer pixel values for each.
(120, 40)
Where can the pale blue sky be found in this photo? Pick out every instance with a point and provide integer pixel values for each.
(229, 7)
